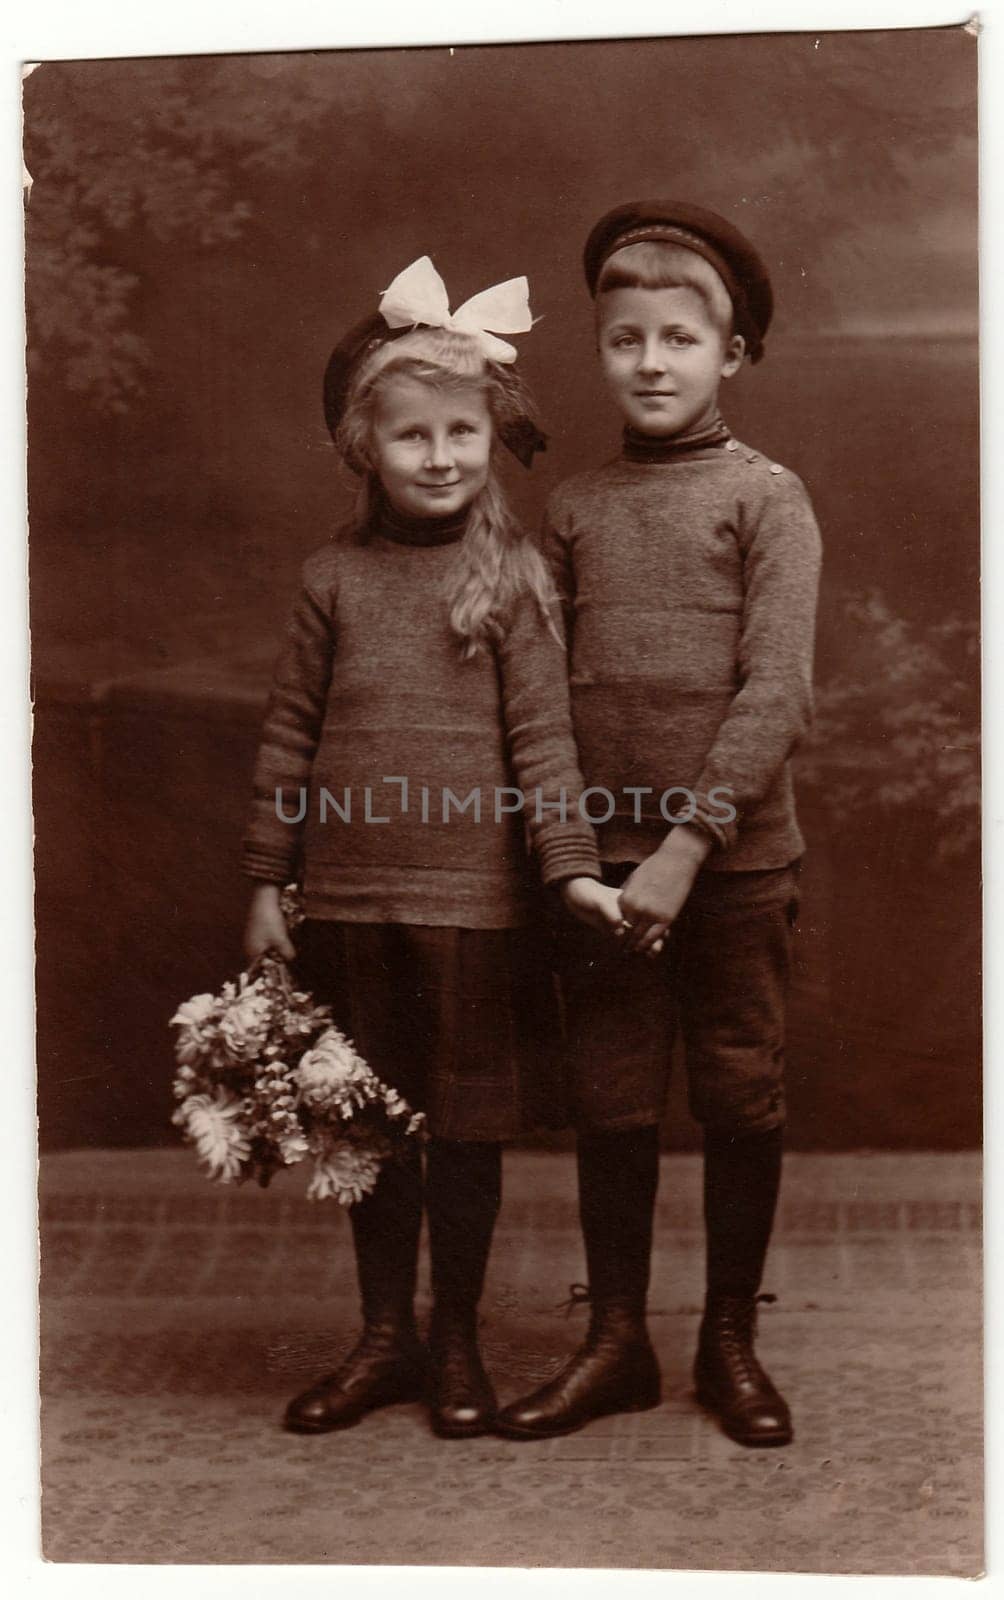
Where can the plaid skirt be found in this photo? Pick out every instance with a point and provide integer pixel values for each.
(462, 1021)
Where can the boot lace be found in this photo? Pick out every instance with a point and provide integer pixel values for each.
(578, 1295)
(737, 1328)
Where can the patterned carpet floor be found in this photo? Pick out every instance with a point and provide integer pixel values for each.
(179, 1317)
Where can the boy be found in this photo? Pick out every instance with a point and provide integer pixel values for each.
(689, 569)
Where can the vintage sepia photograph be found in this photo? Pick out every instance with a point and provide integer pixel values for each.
(504, 545)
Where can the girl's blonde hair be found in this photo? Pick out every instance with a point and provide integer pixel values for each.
(661, 264)
(495, 560)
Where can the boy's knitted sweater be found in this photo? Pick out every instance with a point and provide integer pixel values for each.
(690, 592)
(372, 686)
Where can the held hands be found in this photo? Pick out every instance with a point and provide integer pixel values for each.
(599, 906)
(656, 891)
(266, 926)
(593, 903)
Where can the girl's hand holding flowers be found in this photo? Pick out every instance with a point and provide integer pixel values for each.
(266, 927)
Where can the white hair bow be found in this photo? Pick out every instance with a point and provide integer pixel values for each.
(418, 295)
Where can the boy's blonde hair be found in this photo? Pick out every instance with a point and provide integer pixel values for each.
(660, 264)
(495, 560)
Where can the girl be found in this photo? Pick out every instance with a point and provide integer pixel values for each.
(421, 688)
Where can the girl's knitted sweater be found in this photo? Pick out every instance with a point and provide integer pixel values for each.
(690, 592)
(402, 762)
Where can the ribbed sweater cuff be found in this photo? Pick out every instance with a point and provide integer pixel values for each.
(568, 855)
(710, 821)
(267, 868)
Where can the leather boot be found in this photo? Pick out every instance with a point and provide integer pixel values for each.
(742, 1177)
(386, 1368)
(463, 1195)
(388, 1364)
(729, 1379)
(616, 1368)
(462, 1401)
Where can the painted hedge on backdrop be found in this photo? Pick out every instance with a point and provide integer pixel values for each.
(897, 728)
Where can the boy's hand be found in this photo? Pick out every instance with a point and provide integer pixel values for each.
(592, 902)
(266, 926)
(656, 891)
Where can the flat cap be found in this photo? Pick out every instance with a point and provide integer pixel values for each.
(731, 254)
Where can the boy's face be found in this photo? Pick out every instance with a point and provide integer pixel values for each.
(663, 357)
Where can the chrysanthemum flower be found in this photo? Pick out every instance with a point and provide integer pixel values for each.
(195, 1021)
(214, 1126)
(331, 1067)
(244, 1024)
(193, 1013)
(344, 1172)
(292, 1146)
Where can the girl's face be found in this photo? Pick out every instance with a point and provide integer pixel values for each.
(431, 447)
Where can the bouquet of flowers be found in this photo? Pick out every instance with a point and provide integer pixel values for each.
(265, 1080)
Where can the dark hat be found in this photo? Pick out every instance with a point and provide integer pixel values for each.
(676, 222)
(522, 436)
(361, 339)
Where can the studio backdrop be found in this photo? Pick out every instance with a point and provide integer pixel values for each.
(201, 231)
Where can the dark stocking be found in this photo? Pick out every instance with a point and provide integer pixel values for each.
(463, 1194)
(385, 1227)
(742, 1177)
(618, 1180)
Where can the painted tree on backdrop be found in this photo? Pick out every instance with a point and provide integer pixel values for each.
(128, 156)
(160, 152)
